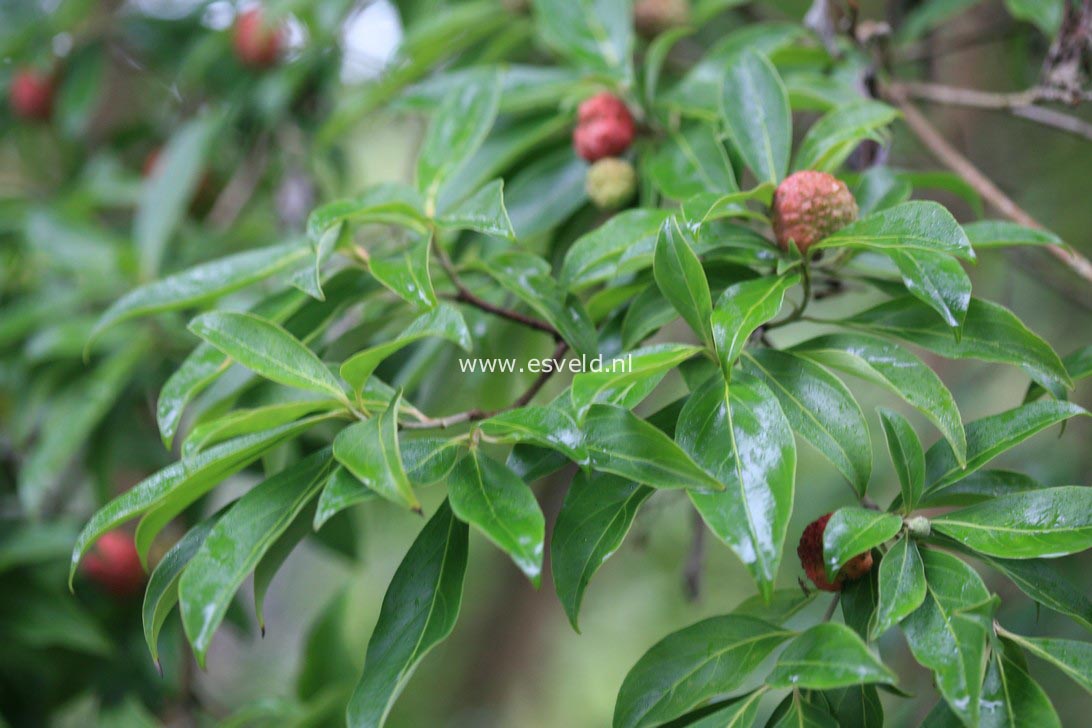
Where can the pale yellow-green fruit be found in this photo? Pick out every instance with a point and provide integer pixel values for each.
(611, 183)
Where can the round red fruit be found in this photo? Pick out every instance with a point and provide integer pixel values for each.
(114, 564)
(810, 551)
(809, 206)
(31, 95)
(257, 43)
(605, 128)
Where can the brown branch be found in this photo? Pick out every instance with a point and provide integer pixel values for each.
(948, 155)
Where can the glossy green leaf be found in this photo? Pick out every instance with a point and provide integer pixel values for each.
(1072, 657)
(681, 279)
(742, 308)
(979, 486)
(709, 206)
(754, 107)
(546, 192)
(419, 610)
(820, 408)
(1002, 233)
(918, 225)
(687, 667)
(1045, 14)
(369, 450)
(733, 713)
(594, 519)
(906, 455)
(856, 707)
(406, 274)
(384, 204)
(596, 34)
(620, 442)
(238, 541)
(428, 460)
(691, 162)
(29, 543)
(947, 633)
(489, 496)
(161, 594)
(739, 433)
(990, 333)
(615, 381)
(646, 314)
(168, 190)
(938, 280)
(825, 657)
(202, 283)
(246, 421)
(342, 490)
(1079, 365)
(779, 608)
(800, 712)
(1041, 523)
(889, 365)
(836, 134)
(1043, 582)
(550, 427)
(279, 551)
(852, 531)
(858, 602)
(623, 244)
(266, 349)
(443, 322)
(456, 131)
(990, 436)
(901, 584)
(482, 212)
(1010, 697)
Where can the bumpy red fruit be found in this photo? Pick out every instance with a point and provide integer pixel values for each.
(605, 128)
(257, 44)
(31, 95)
(808, 206)
(810, 551)
(114, 564)
(652, 17)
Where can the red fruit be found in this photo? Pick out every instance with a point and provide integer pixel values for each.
(808, 206)
(810, 552)
(257, 44)
(114, 564)
(31, 95)
(604, 128)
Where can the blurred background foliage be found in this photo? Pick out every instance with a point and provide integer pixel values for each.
(242, 155)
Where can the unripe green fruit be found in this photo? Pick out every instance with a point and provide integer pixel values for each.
(611, 183)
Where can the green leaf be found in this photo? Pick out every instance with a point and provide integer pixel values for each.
(594, 519)
(167, 192)
(550, 427)
(616, 380)
(733, 713)
(687, 667)
(889, 365)
(742, 308)
(680, 277)
(595, 34)
(29, 544)
(623, 244)
(947, 633)
(369, 450)
(990, 436)
(918, 225)
(836, 134)
(858, 601)
(443, 322)
(161, 594)
(1079, 365)
(825, 657)
(202, 283)
(619, 442)
(71, 418)
(979, 486)
(275, 556)
(739, 433)
(384, 204)
(246, 421)
(546, 192)
(820, 408)
(182, 482)
(1002, 233)
(419, 610)
(990, 333)
(852, 531)
(456, 131)
(237, 543)
(1010, 697)
(1046, 14)
(1072, 657)
(529, 278)
(406, 274)
(754, 107)
(902, 585)
(266, 349)
(856, 707)
(482, 212)
(906, 455)
(1041, 523)
(802, 713)
(489, 496)
(938, 280)
(342, 490)
(691, 162)
(1040, 580)
(779, 608)
(428, 460)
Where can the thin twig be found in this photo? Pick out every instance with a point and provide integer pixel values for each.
(833, 605)
(240, 188)
(931, 137)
